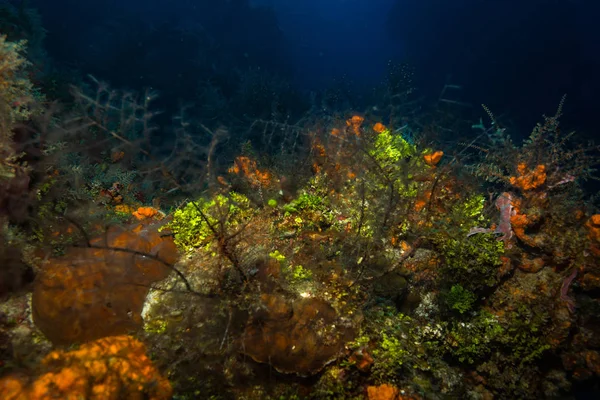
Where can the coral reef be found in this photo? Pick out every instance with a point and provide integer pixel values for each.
(343, 256)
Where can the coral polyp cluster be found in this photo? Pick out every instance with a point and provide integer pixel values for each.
(114, 367)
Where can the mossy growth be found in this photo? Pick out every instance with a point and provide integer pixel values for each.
(306, 202)
(459, 299)
(294, 273)
(473, 261)
(298, 273)
(191, 230)
(465, 214)
(469, 342)
(332, 385)
(394, 342)
(277, 255)
(309, 211)
(391, 353)
(525, 335)
(396, 160)
(470, 212)
(389, 148)
(518, 338)
(156, 326)
(469, 260)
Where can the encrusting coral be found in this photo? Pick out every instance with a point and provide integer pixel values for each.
(110, 368)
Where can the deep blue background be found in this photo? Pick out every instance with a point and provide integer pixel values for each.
(518, 57)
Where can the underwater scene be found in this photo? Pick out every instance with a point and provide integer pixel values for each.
(299, 199)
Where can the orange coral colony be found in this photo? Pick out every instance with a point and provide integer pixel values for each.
(379, 127)
(145, 212)
(355, 123)
(432, 159)
(593, 226)
(114, 367)
(529, 180)
(247, 168)
(387, 392)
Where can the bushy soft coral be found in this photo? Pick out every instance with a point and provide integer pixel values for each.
(16, 90)
(191, 230)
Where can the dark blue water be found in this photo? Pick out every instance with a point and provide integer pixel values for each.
(518, 57)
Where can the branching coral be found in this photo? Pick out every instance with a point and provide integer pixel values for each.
(546, 160)
(17, 96)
